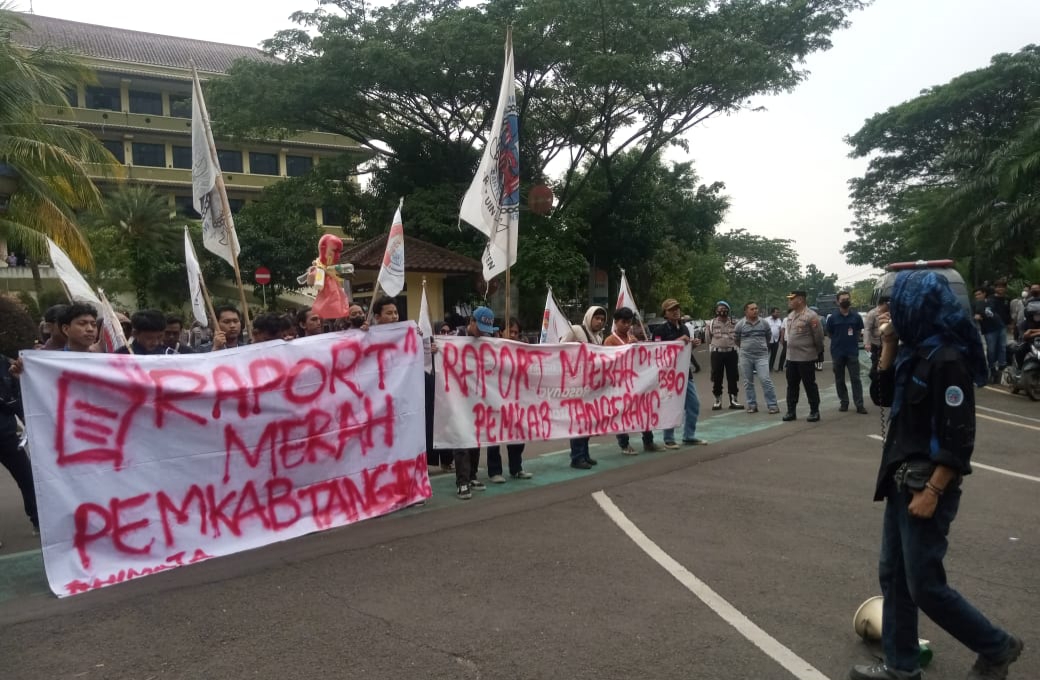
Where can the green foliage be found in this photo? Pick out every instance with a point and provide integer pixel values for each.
(815, 283)
(49, 159)
(953, 172)
(19, 330)
(139, 246)
(861, 292)
(757, 269)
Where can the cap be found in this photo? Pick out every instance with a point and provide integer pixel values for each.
(669, 304)
(722, 303)
(797, 293)
(485, 319)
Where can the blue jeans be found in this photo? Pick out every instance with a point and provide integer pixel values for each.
(996, 349)
(749, 365)
(912, 577)
(579, 449)
(692, 408)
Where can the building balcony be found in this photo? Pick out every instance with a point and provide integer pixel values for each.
(178, 177)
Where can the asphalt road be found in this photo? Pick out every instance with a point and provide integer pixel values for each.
(536, 581)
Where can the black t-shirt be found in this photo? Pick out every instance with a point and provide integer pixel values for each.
(1001, 308)
(990, 322)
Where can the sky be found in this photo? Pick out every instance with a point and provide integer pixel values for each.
(785, 168)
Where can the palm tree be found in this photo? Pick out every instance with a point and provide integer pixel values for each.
(50, 161)
(136, 234)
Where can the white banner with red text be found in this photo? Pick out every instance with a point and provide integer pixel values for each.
(492, 391)
(146, 463)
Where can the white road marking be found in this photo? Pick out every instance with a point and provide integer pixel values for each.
(1006, 413)
(1001, 471)
(794, 664)
(1008, 422)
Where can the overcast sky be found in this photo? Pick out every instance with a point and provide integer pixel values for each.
(785, 168)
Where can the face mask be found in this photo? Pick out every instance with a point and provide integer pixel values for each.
(845, 304)
(357, 321)
(723, 312)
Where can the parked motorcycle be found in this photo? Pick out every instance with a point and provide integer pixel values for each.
(1024, 377)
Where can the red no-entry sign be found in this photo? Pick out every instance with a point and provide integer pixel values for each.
(262, 276)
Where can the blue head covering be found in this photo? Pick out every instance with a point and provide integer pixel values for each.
(927, 315)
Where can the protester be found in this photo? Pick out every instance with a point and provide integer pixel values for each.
(308, 322)
(468, 460)
(147, 333)
(622, 336)
(927, 369)
(804, 345)
(228, 333)
(723, 351)
(12, 455)
(844, 327)
(50, 330)
(673, 329)
(271, 326)
(515, 452)
(589, 331)
(752, 335)
(384, 310)
(78, 323)
(172, 336)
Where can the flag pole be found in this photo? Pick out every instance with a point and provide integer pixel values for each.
(222, 190)
(209, 302)
(371, 305)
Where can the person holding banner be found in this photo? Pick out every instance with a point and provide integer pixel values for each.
(308, 322)
(589, 331)
(78, 323)
(147, 331)
(12, 455)
(468, 460)
(228, 334)
(50, 332)
(622, 335)
(674, 329)
(384, 310)
(172, 336)
(515, 452)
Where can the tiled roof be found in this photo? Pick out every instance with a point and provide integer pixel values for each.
(119, 44)
(419, 256)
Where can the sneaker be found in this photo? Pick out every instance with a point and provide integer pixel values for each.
(629, 451)
(523, 474)
(652, 447)
(36, 531)
(671, 446)
(591, 461)
(990, 669)
(773, 410)
(880, 671)
(463, 494)
(695, 442)
(477, 485)
(734, 405)
(581, 465)
(843, 407)
(862, 410)
(814, 417)
(717, 406)
(789, 416)
(752, 408)
(497, 479)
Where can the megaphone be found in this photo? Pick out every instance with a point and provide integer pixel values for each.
(867, 621)
(867, 624)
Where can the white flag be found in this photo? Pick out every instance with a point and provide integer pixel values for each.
(426, 328)
(191, 263)
(112, 336)
(78, 288)
(218, 229)
(492, 203)
(624, 296)
(391, 273)
(555, 325)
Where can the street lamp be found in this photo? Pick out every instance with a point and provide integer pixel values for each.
(8, 185)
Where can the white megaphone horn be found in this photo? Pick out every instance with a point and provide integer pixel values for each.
(867, 621)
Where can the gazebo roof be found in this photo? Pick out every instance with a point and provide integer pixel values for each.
(419, 255)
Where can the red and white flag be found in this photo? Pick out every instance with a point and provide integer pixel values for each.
(112, 336)
(391, 273)
(624, 296)
(555, 325)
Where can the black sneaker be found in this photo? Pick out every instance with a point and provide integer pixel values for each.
(843, 407)
(477, 485)
(814, 417)
(581, 465)
(717, 406)
(463, 494)
(789, 416)
(992, 669)
(861, 409)
(880, 671)
(591, 460)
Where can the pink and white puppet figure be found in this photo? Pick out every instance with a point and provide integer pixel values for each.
(324, 274)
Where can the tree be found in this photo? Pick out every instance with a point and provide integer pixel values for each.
(757, 268)
(606, 85)
(815, 283)
(862, 291)
(50, 160)
(953, 171)
(19, 331)
(140, 245)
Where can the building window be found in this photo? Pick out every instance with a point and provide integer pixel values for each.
(72, 96)
(230, 161)
(186, 207)
(236, 205)
(116, 148)
(297, 165)
(151, 155)
(182, 157)
(180, 106)
(263, 163)
(146, 102)
(106, 98)
(331, 216)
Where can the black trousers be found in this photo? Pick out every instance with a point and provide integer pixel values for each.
(773, 348)
(17, 463)
(803, 372)
(515, 452)
(780, 364)
(466, 463)
(720, 362)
